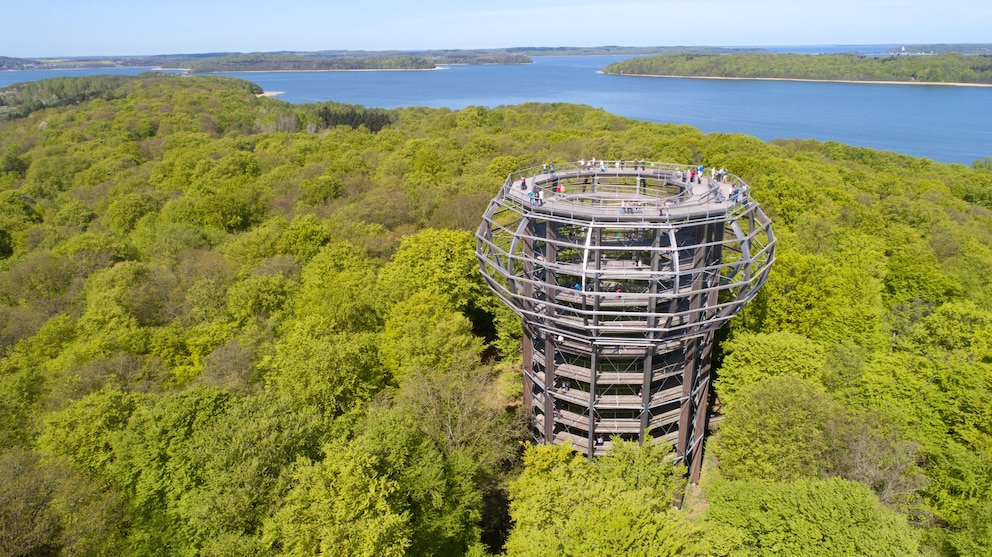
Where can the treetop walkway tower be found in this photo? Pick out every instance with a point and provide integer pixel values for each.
(622, 272)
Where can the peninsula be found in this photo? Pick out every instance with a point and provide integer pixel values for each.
(937, 68)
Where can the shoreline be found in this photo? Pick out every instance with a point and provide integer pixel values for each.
(270, 93)
(194, 72)
(872, 82)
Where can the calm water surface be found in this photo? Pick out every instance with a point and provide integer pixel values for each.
(943, 123)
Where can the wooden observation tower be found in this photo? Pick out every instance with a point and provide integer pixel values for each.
(622, 272)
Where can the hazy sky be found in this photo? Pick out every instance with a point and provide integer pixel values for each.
(119, 27)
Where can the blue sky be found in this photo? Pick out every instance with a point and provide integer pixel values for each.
(132, 27)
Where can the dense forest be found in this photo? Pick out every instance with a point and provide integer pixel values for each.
(325, 60)
(230, 325)
(296, 62)
(938, 68)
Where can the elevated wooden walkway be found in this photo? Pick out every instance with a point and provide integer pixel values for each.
(622, 194)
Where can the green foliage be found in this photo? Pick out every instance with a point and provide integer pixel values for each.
(647, 466)
(25, 98)
(422, 335)
(16, 211)
(940, 68)
(783, 429)
(47, 508)
(304, 237)
(327, 370)
(320, 190)
(83, 432)
(202, 464)
(775, 430)
(564, 505)
(388, 492)
(752, 357)
(258, 62)
(124, 212)
(336, 285)
(373, 119)
(460, 410)
(340, 506)
(438, 262)
(183, 262)
(804, 517)
(256, 297)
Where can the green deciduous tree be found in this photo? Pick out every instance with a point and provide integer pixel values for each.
(461, 410)
(752, 357)
(203, 465)
(83, 432)
(47, 508)
(340, 506)
(775, 430)
(564, 505)
(805, 517)
(423, 334)
(331, 371)
(338, 285)
(390, 491)
(438, 262)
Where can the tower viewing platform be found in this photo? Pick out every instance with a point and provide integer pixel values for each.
(622, 272)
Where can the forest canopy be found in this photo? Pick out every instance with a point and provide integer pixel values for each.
(935, 68)
(230, 325)
(325, 60)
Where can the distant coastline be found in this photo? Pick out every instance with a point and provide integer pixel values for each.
(204, 72)
(873, 82)
(929, 69)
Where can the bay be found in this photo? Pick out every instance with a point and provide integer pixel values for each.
(940, 122)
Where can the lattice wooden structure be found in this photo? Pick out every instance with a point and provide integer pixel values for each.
(622, 272)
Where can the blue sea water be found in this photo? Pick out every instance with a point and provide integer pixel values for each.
(940, 122)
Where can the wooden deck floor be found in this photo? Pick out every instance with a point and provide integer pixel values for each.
(588, 202)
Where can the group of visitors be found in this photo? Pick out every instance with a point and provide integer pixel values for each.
(592, 164)
(635, 164)
(693, 175)
(738, 193)
(629, 207)
(538, 199)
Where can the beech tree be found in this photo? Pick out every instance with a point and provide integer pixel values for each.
(438, 262)
(562, 504)
(775, 430)
(751, 358)
(423, 335)
(805, 517)
(391, 491)
(46, 507)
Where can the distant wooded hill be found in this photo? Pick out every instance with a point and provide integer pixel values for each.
(280, 61)
(940, 68)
